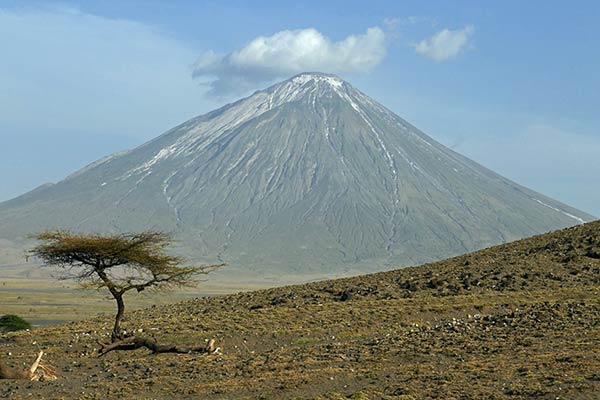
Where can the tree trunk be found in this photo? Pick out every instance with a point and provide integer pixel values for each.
(116, 333)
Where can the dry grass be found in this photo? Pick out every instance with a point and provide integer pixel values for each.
(48, 301)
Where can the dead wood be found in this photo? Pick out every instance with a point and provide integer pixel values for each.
(39, 371)
(136, 342)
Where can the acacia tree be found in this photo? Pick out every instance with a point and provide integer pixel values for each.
(118, 262)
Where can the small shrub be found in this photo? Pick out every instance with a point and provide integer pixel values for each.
(11, 322)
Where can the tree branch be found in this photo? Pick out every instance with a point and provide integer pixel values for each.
(136, 342)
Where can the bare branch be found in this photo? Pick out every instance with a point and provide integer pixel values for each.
(39, 370)
(136, 342)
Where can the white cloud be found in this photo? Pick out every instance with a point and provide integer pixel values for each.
(445, 44)
(286, 53)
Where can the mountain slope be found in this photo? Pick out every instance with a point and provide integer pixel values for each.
(309, 176)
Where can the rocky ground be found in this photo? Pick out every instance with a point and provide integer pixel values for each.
(516, 321)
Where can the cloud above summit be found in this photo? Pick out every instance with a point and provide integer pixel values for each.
(285, 53)
(445, 44)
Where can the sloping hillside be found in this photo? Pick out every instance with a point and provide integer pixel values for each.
(521, 320)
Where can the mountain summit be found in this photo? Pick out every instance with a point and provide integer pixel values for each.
(307, 177)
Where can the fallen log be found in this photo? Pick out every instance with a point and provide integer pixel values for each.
(39, 371)
(136, 342)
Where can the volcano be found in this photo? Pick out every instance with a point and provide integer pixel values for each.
(308, 177)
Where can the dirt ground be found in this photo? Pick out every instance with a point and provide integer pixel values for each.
(518, 321)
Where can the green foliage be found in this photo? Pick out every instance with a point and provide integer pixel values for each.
(11, 322)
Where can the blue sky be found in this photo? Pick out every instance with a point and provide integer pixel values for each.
(512, 85)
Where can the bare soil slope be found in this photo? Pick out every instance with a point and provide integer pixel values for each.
(517, 321)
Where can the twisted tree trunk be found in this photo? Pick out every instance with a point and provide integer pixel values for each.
(136, 342)
(117, 333)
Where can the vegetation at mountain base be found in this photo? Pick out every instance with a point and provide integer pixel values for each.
(516, 321)
(11, 322)
(119, 263)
